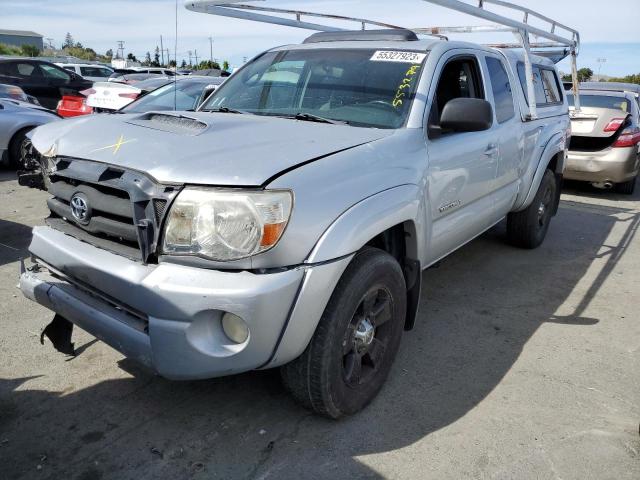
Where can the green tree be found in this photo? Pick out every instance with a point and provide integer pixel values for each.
(109, 54)
(172, 64)
(225, 65)
(132, 57)
(634, 78)
(183, 64)
(156, 58)
(68, 41)
(147, 59)
(29, 50)
(584, 75)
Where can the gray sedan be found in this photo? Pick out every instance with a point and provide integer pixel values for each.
(16, 120)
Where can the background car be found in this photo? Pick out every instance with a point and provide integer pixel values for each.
(186, 93)
(131, 78)
(605, 139)
(16, 93)
(44, 80)
(16, 120)
(112, 96)
(88, 71)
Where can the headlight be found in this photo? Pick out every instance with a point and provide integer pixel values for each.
(224, 224)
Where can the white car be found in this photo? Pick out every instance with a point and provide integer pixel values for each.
(111, 95)
(162, 71)
(93, 72)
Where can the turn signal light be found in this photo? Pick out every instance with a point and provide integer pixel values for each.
(128, 95)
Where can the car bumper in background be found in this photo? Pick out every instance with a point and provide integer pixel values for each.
(615, 165)
(168, 316)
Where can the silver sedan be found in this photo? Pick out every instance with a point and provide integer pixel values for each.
(16, 120)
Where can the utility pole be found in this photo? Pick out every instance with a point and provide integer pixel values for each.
(162, 50)
(211, 49)
(600, 62)
(190, 58)
(120, 52)
(196, 56)
(49, 40)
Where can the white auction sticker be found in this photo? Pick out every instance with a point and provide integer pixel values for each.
(397, 56)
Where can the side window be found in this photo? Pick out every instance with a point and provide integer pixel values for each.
(545, 85)
(460, 78)
(26, 70)
(54, 73)
(550, 84)
(502, 95)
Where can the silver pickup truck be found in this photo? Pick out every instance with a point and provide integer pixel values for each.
(287, 222)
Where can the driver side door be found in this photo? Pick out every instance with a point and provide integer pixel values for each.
(461, 165)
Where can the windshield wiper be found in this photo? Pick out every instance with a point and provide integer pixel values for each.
(226, 110)
(310, 117)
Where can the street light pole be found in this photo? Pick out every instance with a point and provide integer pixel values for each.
(211, 49)
(600, 62)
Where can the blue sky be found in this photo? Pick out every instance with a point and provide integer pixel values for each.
(608, 29)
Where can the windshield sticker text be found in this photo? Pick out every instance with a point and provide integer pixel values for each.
(396, 56)
(401, 93)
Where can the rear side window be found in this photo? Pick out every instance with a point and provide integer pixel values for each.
(545, 85)
(94, 72)
(501, 87)
(25, 69)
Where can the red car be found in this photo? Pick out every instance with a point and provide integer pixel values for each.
(72, 106)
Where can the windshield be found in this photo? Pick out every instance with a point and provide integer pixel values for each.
(362, 87)
(602, 101)
(163, 98)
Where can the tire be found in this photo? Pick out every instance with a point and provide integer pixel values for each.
(353, 348)
(627, 188)
(15, 147)
(528, 228)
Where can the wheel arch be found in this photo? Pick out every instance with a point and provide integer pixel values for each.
(553, 157)
(390, 221)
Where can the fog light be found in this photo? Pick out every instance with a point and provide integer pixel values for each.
(235, 328)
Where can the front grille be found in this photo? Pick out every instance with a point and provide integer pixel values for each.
(110, 207)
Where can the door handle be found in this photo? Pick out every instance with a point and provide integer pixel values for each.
(492, 150)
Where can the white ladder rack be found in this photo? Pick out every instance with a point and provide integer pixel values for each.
(560, 40)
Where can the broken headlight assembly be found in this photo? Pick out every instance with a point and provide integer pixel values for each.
(226, 225)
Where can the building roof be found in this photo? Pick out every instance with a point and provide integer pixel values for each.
(20, 33)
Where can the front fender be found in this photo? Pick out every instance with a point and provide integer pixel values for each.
(366, 219)
(555, 146)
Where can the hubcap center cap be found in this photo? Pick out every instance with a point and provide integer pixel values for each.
(364, 333)
(542, 209)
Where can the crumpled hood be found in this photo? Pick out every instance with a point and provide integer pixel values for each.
(197, 147)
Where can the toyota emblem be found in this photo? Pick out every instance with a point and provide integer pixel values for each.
(80, 208)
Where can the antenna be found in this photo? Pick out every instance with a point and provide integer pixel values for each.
(175, 73)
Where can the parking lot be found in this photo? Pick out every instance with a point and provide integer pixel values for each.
(523, 364)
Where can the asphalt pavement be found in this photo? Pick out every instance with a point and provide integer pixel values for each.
(523, 365)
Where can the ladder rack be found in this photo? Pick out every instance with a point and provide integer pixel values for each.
(559, 42)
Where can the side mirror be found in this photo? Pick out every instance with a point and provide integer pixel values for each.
(467, 115)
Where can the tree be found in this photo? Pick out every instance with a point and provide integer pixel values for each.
(68, 41)
(172, 64)
(156, 58)
(147, 59)
(584, 75)
(29, 50)
(225, 65)
(183, 64)
(109, 54)
(635, 78)
(132, 57)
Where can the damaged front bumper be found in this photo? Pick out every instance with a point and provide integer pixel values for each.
(165, 316)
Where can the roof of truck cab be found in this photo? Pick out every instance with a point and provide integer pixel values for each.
(423, 45)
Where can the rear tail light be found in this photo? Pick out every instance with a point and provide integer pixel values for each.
(614, 124)
(87, 92)
(129, 95)
(628, 138)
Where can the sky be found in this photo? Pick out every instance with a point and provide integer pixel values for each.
(609, 30)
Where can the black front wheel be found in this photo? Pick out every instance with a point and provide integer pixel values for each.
(350, 355)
